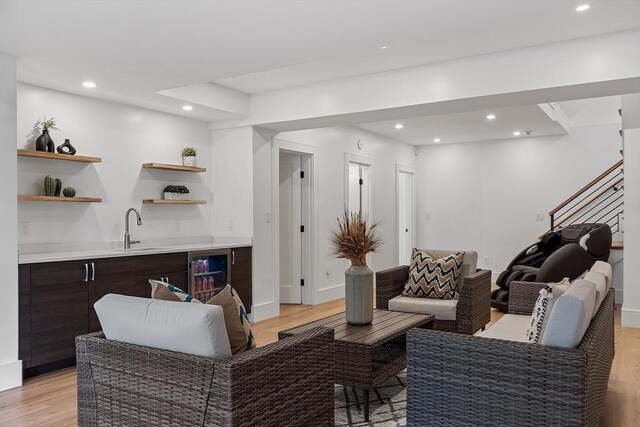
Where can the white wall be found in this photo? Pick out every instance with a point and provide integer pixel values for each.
(266, 296)
(484, 196)
(10, 366)
(631, 126)
(232, 182)
(125, 137)
(329, 147)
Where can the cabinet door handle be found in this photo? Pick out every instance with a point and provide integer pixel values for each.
(233, 257)
(93, 272)
(86, 272)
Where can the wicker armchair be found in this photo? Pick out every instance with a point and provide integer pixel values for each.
(287, 383)
(471, 380)
(473, 311)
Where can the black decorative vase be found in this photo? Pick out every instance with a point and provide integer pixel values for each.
(45, 143)
(66, 148)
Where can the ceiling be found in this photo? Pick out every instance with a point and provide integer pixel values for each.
(474, 125)
(468, 126)
(135, 49)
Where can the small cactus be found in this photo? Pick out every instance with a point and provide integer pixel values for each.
(69, 192)
(49, 185)
(58, 188)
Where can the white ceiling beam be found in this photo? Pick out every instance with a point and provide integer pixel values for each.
(581, 68)
(213, 96)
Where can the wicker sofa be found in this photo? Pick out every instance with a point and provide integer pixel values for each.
(287, 383)
(457, 380)
(473, 308)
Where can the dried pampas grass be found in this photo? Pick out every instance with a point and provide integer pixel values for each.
(355, 238)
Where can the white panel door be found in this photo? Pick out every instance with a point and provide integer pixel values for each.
(405, 217)
(359, 189)
(290, 235)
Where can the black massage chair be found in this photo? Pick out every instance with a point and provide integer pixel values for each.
(566, 252)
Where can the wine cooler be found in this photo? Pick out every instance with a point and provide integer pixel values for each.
(209, 272)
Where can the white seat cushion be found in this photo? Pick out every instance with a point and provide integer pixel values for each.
(603, 268)
(510, 327)
(442, 309)
(571, 315)
(197, 329)
(600, 282)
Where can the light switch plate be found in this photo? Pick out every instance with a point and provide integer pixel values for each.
(24, 229)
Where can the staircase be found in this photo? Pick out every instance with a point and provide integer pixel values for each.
(601, 201)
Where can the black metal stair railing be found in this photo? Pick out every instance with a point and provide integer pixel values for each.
(601, 201)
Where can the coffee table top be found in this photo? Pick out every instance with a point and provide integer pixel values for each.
(386, 325)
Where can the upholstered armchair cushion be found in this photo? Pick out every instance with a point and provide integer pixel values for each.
(442, 309)
(196, 329)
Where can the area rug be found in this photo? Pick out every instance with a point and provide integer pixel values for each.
(387, 404)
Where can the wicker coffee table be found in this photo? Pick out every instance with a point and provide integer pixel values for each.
(367, 356)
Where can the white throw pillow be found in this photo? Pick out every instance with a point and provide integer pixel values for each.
(605, 269)
(600, 283)
(543, 307)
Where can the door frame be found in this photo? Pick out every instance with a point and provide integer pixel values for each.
(400, 168)
(309, 202)
(296, 270)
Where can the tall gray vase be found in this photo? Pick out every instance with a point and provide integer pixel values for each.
(359, 295)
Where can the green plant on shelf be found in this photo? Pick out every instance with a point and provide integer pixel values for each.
(188, 152)
(180, 189)
(44, 124)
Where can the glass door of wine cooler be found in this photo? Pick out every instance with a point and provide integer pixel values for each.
(209, 273)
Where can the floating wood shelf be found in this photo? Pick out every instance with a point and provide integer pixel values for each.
(166, 166)
(617, 244)
(29, 198)
(56, 156)
(173, 202)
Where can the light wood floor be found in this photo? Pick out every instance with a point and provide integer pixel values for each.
(50, 400)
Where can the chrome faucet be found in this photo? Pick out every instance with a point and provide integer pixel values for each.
(127, 237)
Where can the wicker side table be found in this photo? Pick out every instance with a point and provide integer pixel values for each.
(367, 356)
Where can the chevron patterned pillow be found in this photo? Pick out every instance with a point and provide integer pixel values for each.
(433, 278)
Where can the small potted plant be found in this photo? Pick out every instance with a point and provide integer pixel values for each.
(175, 192)
(44, 141)
(189, 156)
(353, 240)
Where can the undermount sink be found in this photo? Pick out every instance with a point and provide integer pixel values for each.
(138, 249)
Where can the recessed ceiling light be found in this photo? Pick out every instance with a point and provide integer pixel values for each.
(491, 116)
(382, 47)
(436, 140)
(517, 133)
(583, 7)
(187, 107)
(399, 126)
(89, 85)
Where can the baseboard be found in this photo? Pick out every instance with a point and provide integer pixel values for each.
(630, 318)
(264, 311)
(10, 375)
(329, 294)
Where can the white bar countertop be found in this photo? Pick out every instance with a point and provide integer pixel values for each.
(52, 252)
